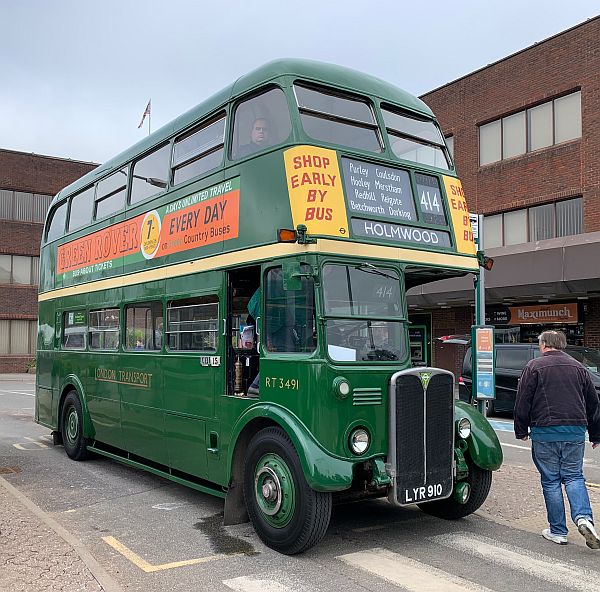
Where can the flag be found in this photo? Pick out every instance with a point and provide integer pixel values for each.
(146, 112)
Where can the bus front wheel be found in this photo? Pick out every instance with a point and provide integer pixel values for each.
(287, 514)
(72, 428)
(480, 481)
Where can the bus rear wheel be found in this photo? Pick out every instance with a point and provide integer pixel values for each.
(287, 514)
(72, 428)
(480, 481)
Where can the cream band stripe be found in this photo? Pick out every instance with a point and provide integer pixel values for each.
(324, 246)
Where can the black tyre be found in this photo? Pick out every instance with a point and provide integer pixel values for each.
(72, 428)
(491, 409)
(287, 514)
(480, 481)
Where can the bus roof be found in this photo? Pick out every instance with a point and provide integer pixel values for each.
(320, 72)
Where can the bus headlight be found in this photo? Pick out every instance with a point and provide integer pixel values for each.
(464, 428)
(359, 441)
(341, 387)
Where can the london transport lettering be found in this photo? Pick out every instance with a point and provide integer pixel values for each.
(196, 220)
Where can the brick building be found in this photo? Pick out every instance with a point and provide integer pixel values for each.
(526, 138)
(27, 184)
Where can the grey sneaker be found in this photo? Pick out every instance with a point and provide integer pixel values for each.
(559, 539)
(587, 530)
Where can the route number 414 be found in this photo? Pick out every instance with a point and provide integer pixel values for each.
(429, 203)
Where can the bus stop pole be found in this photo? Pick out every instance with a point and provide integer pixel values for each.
(480, 296)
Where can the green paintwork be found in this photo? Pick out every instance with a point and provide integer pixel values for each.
(182, 418)
(323, 471)
(483, 444)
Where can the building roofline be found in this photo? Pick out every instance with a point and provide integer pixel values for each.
(512, 55)
(20, 152)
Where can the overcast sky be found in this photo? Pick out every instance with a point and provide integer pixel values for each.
(76, 75)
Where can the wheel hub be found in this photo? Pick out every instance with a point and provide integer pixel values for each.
(274, 490)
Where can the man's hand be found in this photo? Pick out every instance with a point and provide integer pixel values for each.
(595, 444)
(524, 439)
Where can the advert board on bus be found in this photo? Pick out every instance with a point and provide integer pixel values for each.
(483, 362)
(203, 218)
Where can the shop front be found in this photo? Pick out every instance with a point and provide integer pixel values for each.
(523, 324)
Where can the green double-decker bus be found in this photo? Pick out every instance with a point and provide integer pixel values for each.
(224, 305)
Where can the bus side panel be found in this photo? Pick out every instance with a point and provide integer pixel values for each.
(141, 390)
(45, 358)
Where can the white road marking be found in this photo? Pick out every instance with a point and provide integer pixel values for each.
(533, 564)
(410, 574)
(17, 393)
(246, 584)
(515, 446)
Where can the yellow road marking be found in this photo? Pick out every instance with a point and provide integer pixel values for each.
(592, 484)
(148, 567)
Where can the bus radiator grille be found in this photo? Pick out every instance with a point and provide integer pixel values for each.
(424, 438)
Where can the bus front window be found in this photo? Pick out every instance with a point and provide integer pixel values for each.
(367, 297)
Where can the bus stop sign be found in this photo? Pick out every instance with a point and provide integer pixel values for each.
(483, 362)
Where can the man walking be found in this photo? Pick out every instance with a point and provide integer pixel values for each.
(556, 401)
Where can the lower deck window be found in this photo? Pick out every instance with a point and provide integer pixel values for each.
(193, 324)
(104, 329)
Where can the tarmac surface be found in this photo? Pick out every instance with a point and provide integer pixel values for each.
(39, 554)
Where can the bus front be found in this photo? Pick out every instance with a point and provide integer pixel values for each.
(385, 214)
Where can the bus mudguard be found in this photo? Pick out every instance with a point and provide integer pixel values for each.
(483, 444)
(323, 471)
(73, 381)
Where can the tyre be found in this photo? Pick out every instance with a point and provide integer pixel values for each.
(491, 408)
(72, 428)
(286, 513)
(480, 481)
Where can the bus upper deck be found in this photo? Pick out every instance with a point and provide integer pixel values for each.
(362, 162)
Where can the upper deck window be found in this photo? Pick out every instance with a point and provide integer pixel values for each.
(110, 194)
(198, 152)
(82, 207)
(333, 118)
(56, 226)
(417, 140)
(260, 123)
(150, 175)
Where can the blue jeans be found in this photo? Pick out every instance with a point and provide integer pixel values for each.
(558, 463)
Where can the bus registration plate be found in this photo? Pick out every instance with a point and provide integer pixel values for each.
(415, 495)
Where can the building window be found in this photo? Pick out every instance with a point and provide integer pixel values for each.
(18, 338)
(19, 269)
(563, 218)
(25, 207)
(541, 126)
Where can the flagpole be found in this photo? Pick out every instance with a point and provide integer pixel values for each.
(149, 117)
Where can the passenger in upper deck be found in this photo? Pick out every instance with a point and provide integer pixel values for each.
(259, 138)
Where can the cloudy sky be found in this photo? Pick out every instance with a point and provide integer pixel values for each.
(75, 75)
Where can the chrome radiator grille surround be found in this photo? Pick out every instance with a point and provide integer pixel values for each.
(421, 443)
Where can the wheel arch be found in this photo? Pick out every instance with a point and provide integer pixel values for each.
(323, 472)
(483, 445)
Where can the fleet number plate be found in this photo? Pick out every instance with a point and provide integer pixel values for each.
(415, 495)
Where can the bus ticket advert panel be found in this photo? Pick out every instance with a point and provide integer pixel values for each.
(207, 217)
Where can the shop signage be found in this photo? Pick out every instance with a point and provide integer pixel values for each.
(539, 314)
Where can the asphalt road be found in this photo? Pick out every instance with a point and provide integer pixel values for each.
(152, 535)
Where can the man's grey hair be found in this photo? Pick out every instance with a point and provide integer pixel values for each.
(553, 339)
